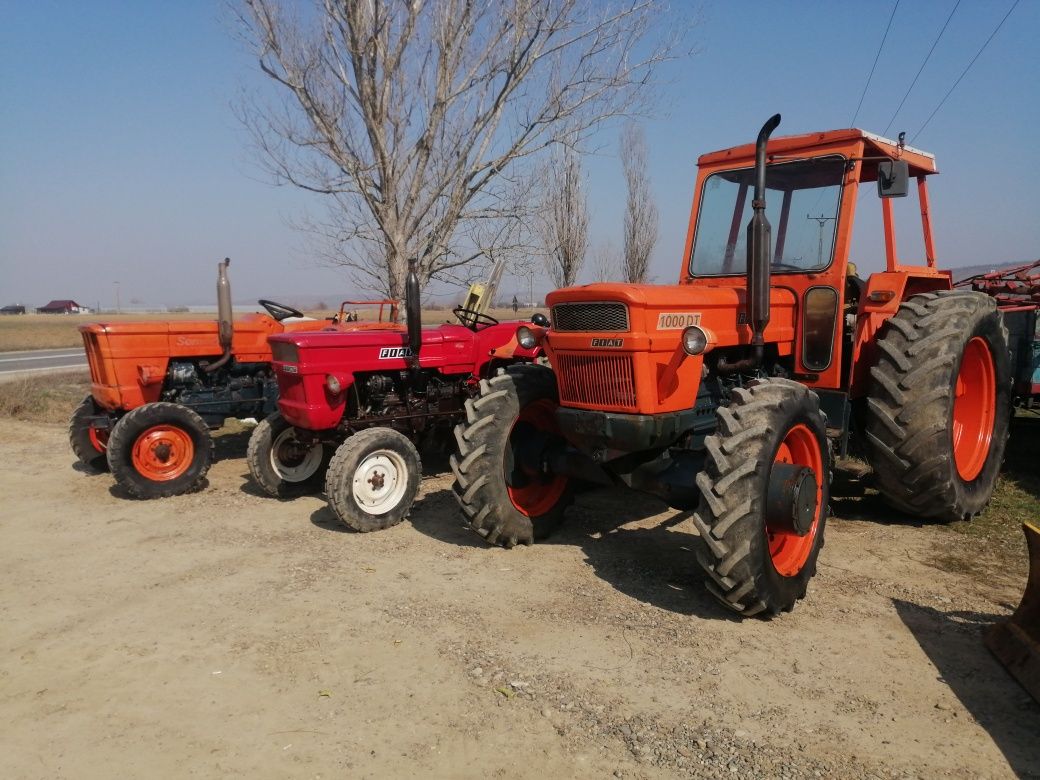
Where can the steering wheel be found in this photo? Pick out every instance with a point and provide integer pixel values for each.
(473, 319)
(279, 310)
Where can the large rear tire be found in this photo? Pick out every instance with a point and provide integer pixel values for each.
(504, 499)
(160, 450)
(282, 465)
(764, 497)
(373, 479)
(939, 405)
(88, 442)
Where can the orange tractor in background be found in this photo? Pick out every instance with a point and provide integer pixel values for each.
(729, 393)
(159, 387)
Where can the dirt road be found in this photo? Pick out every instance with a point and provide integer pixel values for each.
(226, 634)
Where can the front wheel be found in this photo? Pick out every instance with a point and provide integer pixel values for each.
(159, 450)
(281, 464)
(373, 479)
(88, 441)
(501, 483)
(764, 496)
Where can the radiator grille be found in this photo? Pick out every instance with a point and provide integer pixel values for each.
(597, 380)
(97, 364)
(606, 316)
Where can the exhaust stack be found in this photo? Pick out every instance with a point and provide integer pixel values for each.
(225, 317)
(413, 310)
(759, 241)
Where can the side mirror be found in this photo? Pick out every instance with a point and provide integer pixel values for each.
(893, 179)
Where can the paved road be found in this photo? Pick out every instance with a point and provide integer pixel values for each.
(17, 364)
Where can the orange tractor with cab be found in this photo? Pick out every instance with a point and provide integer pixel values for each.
(729, 394)
(159, 387)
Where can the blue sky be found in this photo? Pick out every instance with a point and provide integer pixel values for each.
(121, 160)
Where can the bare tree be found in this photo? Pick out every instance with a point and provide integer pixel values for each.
(640, 210)
(416, 117)
(564, 220)
(606, 262)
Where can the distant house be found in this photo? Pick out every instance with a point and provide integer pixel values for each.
(14, 309)
(63, 307)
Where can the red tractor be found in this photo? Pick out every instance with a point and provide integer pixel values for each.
(159, 387)
(728, 393)
(369, 397)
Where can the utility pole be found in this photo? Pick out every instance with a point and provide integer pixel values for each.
(118, 308)
(822, 221)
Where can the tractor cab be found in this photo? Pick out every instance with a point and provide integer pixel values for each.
(812, 191)
(728, 392)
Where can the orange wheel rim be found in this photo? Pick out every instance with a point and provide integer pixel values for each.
(163, 452)
(537, 498)
(974, 408)
(98, 438)
(788, 550)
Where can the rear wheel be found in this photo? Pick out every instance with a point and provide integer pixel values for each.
(373, 479)
(764, 496)
(159, 450)
(88, 441)
(505, 493)
(939, 405)
(281, 464)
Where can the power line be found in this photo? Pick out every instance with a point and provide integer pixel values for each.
(872, 67)
(927, 57)
(965, 71)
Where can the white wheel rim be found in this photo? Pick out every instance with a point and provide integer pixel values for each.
(307, 465)
(380, 482)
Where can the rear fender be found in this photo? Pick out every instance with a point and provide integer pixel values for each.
(890, 289)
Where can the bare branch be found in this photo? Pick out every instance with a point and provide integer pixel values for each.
(418, 119)
(565, 221)
(641, 221)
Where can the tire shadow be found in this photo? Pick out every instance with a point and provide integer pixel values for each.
(1022, 458)
(953, 643)
(229, 445)
(654, 565)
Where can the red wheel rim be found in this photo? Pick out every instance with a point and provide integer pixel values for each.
(162, 453)
(974, 408)
(537, 498)
(98, 438)
(788, 550)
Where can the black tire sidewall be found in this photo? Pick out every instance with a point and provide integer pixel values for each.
(129, 429)
(79, 435)
(259, 451)
(789, 589)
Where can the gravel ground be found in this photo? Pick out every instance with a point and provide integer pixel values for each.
(224, 633)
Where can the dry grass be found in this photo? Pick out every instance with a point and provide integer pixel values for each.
(49, 398)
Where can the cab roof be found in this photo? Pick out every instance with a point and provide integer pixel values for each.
(812, 144)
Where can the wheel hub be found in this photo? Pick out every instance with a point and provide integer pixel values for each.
(380, 482)
(791, 498)
(294, 460)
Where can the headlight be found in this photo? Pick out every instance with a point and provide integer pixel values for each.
(526, 338)
(333, 384)
(694, 340)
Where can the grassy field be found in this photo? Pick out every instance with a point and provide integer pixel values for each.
(44, 399)
(53, 331)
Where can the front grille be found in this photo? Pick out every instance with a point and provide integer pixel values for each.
(609, 316)
(98, 374)
(596, 380)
